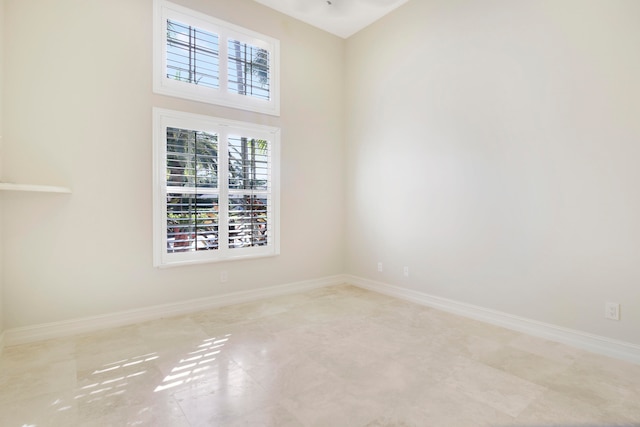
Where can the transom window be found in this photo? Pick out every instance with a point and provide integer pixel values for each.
(202, 58)
(215, 189)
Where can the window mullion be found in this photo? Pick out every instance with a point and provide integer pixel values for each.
(223, 184)
(223, 60)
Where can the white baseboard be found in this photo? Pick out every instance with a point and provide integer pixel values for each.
(65, 328)
(594, 343)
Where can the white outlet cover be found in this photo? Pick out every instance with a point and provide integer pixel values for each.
(612, 311)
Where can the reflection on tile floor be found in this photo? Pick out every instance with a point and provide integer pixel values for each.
(338, 356)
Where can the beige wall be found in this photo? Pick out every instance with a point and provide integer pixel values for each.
(1, 139)
(493, 149)
(79, 99)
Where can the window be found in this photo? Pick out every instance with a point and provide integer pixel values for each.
(202, 58)
(216, 189)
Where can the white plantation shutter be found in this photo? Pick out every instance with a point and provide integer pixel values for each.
(248, 70)
(249, 191)
(216, 189)
(191, 190)
(192, 55)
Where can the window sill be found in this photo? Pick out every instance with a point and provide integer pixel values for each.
(5, 186)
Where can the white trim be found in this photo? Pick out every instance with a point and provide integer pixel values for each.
(590, 342)
(65, 328)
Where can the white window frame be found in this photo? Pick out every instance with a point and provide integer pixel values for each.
(164, 10)
(163, 119)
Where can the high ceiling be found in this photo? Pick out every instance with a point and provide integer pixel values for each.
(340, 17)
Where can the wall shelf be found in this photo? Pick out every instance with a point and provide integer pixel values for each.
(5, 186)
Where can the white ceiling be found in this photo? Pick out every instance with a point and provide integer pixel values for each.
(340, 17)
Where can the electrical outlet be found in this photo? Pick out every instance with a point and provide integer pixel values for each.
(406, 272)
(379, 266)
(612, 311)
(224, 276)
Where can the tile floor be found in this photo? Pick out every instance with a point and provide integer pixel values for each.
(338, 356)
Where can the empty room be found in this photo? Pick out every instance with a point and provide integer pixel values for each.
(320, 213)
